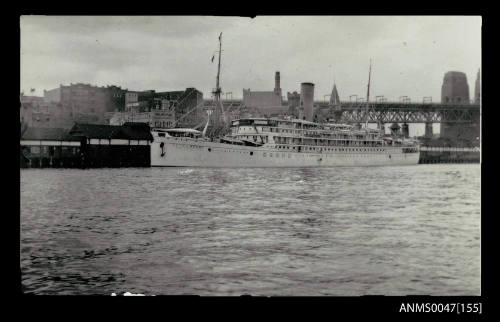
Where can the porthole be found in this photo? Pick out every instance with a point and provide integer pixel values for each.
(251, 152)
(209, 149)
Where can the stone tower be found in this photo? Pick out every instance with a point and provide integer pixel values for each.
(455, 89)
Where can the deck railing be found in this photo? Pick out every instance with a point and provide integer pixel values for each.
(449, 149)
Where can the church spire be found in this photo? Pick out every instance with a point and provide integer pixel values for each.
(334, 98)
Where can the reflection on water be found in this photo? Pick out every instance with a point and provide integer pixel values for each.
(311, 231)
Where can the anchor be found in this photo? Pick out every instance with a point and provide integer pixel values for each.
(162, 144)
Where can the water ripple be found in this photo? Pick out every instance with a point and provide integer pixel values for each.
(337, 231)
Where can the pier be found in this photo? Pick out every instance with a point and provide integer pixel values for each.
(87, 146)
(449, 155)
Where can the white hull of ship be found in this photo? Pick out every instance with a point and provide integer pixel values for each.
(186, 152)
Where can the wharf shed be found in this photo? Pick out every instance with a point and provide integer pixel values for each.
(49, 147)
(87, 146)
(127, 145)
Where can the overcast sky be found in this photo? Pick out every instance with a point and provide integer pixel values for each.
(410, 54)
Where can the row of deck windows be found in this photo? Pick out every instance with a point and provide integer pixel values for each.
(280, 140)
(303, 132)
(290, 148)
(329, 142)
(283, 155)
(328, 149)
(318, 134)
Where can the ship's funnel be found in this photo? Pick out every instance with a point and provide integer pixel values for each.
(307, 100)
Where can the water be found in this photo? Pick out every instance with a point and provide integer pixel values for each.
(316, 231)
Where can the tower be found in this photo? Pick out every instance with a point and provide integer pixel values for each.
(477, 90)
(455, 89)
(334, 98)
(277, 88)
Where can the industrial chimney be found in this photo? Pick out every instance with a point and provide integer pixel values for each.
(307, 100)
(277, 88)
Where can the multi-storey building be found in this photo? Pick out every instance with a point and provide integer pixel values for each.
(264, 99)
(82, 103)
(154, 118)
(85, 103)
(159, 109)
(35, 112)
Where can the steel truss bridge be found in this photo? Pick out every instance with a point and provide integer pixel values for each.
(385, 112)
(401, 113)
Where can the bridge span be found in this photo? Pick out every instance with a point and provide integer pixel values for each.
(378, 112)
(385, 112)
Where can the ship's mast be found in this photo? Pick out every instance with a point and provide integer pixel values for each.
(368, 94)
(217, 85)
(217, 92)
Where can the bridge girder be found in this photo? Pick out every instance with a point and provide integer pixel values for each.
(405, 116)
(387, 112)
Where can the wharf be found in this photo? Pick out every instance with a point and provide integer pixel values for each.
(87, 146)
(449, 155)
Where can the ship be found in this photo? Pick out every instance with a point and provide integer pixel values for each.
(278, 142)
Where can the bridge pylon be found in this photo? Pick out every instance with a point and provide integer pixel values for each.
(428, 130)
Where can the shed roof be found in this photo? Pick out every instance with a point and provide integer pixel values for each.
(97, 131)
(137, 131)
(48, 134)
(128, 131)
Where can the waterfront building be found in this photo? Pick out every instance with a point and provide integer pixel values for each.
(114, 146)
(86, 103)
(35, 112)
(159, 109)
(131, 100)
(293, 99)
(87, 145)
(293, 102)
(264, 99)
(115, 98)
(154, 118)
(49, 147)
